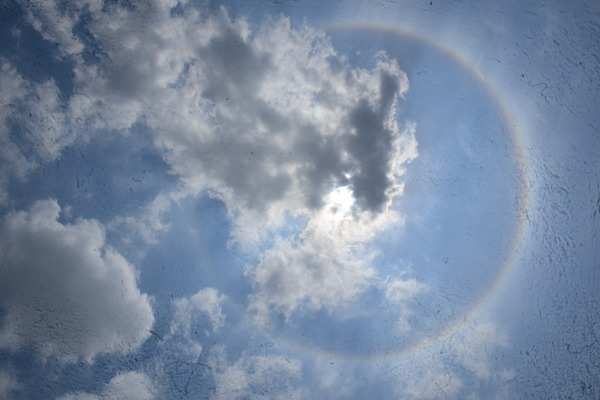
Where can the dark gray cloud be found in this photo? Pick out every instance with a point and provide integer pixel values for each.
(370, 147)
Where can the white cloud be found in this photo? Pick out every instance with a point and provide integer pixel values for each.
(12, 160)
(124, 386)
(328, 264)
(66, 293)
(432, 373)
(56, 23)
(42, 121)
(150, 221)
(401, 293)
(34, 113)
(182, 342)
(474, 345)
(311, 273)
(207, 301)
(449, 367)
(398, 291)
(259, 377)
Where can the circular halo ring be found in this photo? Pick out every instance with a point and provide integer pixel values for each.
(522, 205)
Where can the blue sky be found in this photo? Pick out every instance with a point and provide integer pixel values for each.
(238, 200)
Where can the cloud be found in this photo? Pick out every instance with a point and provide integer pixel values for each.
(65, 292)
(32, 110)
(124, 386)
(180, 364)
(188, 311)
(34, 127)
(207, 301)
(375, 129)
(147, 225)
(232, 108)
(448, 367)
(56, 23)
(327, 265)
(474, 345)
(237, 115)
(279, 142)
(307, 273)
(13, 162)
(400, 293)
(259, 377)
(432, 382)
(441, 369)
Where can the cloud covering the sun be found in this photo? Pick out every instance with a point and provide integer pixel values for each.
(327, 265)
(234, 109)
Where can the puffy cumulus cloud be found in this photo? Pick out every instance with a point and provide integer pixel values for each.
(124, 386)
(7, 384)
(64, 291)
(258, 377)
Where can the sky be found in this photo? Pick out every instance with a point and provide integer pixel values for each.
(299, 199)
